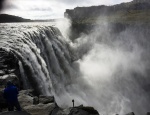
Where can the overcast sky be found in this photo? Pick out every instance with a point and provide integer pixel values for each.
(48, 9)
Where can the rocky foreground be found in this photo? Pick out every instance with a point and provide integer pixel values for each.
(46, 105)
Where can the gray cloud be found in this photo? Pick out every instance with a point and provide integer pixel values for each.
(10, 6)
(50, 8)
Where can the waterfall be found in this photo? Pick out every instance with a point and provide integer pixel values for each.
(43, 55)
(104, 70)
(26, 84)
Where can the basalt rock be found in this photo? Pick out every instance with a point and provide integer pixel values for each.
(46, 99)
(82, 110)
(25, 98)
(40, 109)
(132, 113)
(148, 113)
(3, 103)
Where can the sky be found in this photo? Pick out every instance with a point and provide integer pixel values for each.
(48, 9)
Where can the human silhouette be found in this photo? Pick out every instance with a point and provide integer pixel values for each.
(11, 96)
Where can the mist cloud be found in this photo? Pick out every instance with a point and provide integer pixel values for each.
(112, 71)
(112, 67)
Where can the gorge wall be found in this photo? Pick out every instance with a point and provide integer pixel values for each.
(120, 16)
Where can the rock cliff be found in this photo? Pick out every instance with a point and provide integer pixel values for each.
(120, 16)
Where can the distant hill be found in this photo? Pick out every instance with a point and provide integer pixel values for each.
(5, 18)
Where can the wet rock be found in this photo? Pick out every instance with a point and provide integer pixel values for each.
(130, 113)
(25, 98)
(46, 99)
(148, 113)
(80, 110)
(88, 109)
(59, 111)
(77, 111)
(40, 109)
(35, 100)
(3, 103)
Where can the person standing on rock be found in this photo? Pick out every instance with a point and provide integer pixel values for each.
(11, 96)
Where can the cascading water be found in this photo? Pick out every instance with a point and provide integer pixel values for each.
(44, 58)
(110, 74)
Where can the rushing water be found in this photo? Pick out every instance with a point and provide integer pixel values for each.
(109, 75)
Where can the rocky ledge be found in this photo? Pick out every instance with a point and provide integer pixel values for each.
(46, 105)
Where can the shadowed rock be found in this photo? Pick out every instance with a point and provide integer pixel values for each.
(81, 110)
(24, 98)
(46, 99)
(132, 113)
(148, 113)
(76, 111)
(40, 109)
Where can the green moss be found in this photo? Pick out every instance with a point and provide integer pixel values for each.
(127, 17)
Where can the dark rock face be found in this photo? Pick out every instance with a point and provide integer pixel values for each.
(46, 99)
(130, 113)
(2, 101)
(83, 111)
(9, 69)
(76, 111)
(148, 113)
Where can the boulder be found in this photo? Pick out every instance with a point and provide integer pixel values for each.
(63, 112)
(80, 110)
(40, 109)
(88, 109)
(35, 100)
(57, 111)
(46, 99)
(132, 113)
(77, 111)
(25, 98)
